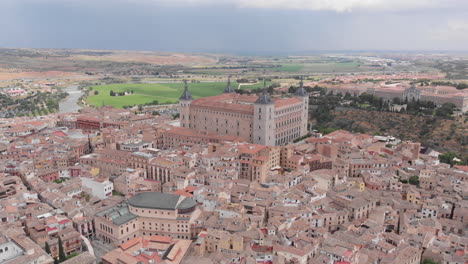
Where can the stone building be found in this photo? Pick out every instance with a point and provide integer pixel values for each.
(257, 119)
(148, 213)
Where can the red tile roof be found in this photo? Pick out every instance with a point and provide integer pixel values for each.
(130, 243)
(160, 239)
(286, 101)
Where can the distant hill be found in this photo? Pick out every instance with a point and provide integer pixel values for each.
(440, 134)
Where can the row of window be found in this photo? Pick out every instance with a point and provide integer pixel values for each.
(154, 212)
(222, 113)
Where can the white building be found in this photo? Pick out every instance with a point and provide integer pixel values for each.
(97, 187)
(9, 249)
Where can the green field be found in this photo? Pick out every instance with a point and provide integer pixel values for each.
(164, 93)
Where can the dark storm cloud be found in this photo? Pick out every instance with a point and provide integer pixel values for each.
(230, 27)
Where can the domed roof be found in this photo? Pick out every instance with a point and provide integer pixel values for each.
(162, 201)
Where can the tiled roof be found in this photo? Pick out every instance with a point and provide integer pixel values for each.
(286, 101)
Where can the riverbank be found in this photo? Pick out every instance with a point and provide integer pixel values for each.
(70, 103)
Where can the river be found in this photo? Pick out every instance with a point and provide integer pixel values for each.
(70, 103)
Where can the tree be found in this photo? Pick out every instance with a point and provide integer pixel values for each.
(47, 248)
(414, 180)
(446, 110)
(275, 85)
(140, 108)
(90, 146)
(96, 92)
(448, 157)
(62, 256)
(270, 89)
(429, 261)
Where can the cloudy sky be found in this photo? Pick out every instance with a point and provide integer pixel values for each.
(237, 26)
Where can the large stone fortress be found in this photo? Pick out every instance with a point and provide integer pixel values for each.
(258, 119)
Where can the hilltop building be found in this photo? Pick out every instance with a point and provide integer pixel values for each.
(257, 119)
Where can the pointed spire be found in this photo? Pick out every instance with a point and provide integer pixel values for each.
(228, 87)
(301, 91)
(264, 98)
(186, 95)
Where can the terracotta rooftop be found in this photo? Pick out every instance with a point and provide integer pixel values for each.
(286, 101)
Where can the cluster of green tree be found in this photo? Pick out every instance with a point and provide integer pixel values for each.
(363, 101)
(371, 102)
(140, 107)
(87, 85)
(245, 80)
(270, 89)
(316, 88)
(453, 158)
(422, 82)
(459, 86)
(39, 104)
(112, 93)
(61, 254)
(446, 110)
(323, 106)
(426, 108)
(110, 80)
(368, 80)
(414, 180)
(6, 101)
(429, 261)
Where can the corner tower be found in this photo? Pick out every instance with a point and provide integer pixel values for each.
(184, 106)
(228, 86)
(264, 120)
(303, 95)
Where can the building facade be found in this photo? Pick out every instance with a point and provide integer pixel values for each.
(257, 119)
(147, 214)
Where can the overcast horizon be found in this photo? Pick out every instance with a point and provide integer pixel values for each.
(237, 26)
